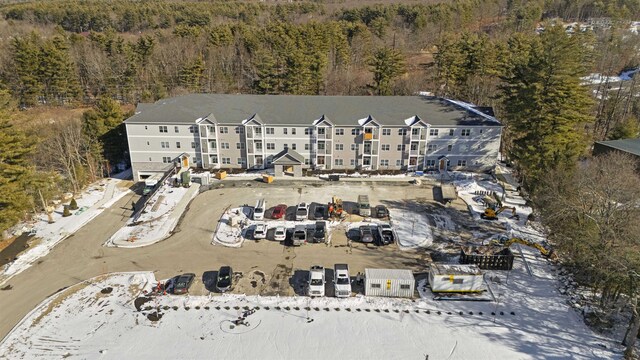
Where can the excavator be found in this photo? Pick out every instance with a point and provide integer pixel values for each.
(507, 242)
(335, 208)
(490, 213)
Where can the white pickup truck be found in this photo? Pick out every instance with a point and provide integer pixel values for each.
(341, 282)
(302, 212)
(316, 281)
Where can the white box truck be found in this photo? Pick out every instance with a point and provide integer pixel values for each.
(341, 280)
(364, 208)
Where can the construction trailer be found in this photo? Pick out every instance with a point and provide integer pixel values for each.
(487, 257)
(452, 278)
(449, 193)
(389, 283)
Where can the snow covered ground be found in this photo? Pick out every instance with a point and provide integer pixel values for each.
(157, 220)
(531, 321)
(412, 227)
(91, 203)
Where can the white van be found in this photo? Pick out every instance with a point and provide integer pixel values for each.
(258, 211)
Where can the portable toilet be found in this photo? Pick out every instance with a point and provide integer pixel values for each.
(185, 178)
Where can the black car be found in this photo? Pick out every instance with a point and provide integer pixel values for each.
(319, 212)
(319, 231)
(381, 211)
(183, 283)
(366, 236)
(225, 278)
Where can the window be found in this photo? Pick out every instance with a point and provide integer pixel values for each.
(386, 147)
(166, 159)
(240, 146)
(258, 130)
(240, 161)
(355, 132)
(226, 161)
(293, 131)
(284, 131)
(306, 146)
(386, 131)
(384, 162)
(176, 129)
(321, 131)
(224, 130)
(164, 144)
(431, 163)
(458, 281)
(400, 148)
(259, 146)
(465, 132)
(415, 131)
(293, 146)
(163, 129)
(178, 144)
(321, 146)
(354, 147)
(414, 146)
(339, 131)
(193, 145)
(224, 145)
(433, 132)
(432, 147)
(213, 159)
(339, 162)
(271, 146)
(375, 286)
(462, 162)
(398, 162)
(211, 129)
(307, 162)
(405, 287)
(270, 131)
(239, 130)
(146, 128)
(213, 144)
(366, 161)
(307, 131)
(402, 132)
(147, 143)
(149, 158)
(340, 147)
(193, 129)
(449, 147)
(286, 146)
(353, 162)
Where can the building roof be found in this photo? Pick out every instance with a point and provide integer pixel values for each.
(396, 274)
(631, 146)
(455, 269)
(288, 157)
(304, 110)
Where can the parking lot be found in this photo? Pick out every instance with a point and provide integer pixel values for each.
(267, 267)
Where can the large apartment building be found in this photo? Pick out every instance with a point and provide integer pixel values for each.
(367, 133)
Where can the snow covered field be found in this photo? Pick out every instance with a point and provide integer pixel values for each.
(531, 321)
(413, 228)
(91, 203)
(157, 220)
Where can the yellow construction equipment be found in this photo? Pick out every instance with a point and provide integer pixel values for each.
(335, 207)
(507, 242)
(491, 213)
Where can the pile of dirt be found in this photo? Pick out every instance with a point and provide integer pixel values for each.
(155, 316)
(106, 290)
(141, 301)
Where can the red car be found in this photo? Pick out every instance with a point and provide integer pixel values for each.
(279, 211)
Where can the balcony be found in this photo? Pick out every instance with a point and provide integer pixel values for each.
(370, 152)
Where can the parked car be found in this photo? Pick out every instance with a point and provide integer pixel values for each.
(225, 279)
(319, 212)
(302, 211)
(381, 211)
(299, 236)
(319, 231)
(183, 283)
(279, 211)
(258, 211)
(341, 282)
(386, 234)
(260, 231)
(366, 236)
(280, 234)
(316, 281)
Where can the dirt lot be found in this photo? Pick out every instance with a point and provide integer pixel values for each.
(268, 268)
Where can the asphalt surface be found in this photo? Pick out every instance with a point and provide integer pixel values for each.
(189, 249)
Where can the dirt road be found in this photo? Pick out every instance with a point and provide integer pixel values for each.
(268, 267)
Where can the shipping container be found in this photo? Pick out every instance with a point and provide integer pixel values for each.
(455, 278)
(389, 283)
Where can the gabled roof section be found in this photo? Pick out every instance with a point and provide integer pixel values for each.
(288, 157)
(631, 146)
(209, 119)
(323, 120)
(415, 120)
(368, 121)
(253, 120)
(302, 110)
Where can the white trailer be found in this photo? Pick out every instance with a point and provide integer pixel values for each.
(389, 283)
(454, 278)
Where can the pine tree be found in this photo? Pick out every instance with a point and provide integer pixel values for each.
(192, 74)
(385, 64)
(103, 125)
(545, 106)
(26, 55)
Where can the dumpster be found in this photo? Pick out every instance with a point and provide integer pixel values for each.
(221, 175)
(267, 178)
